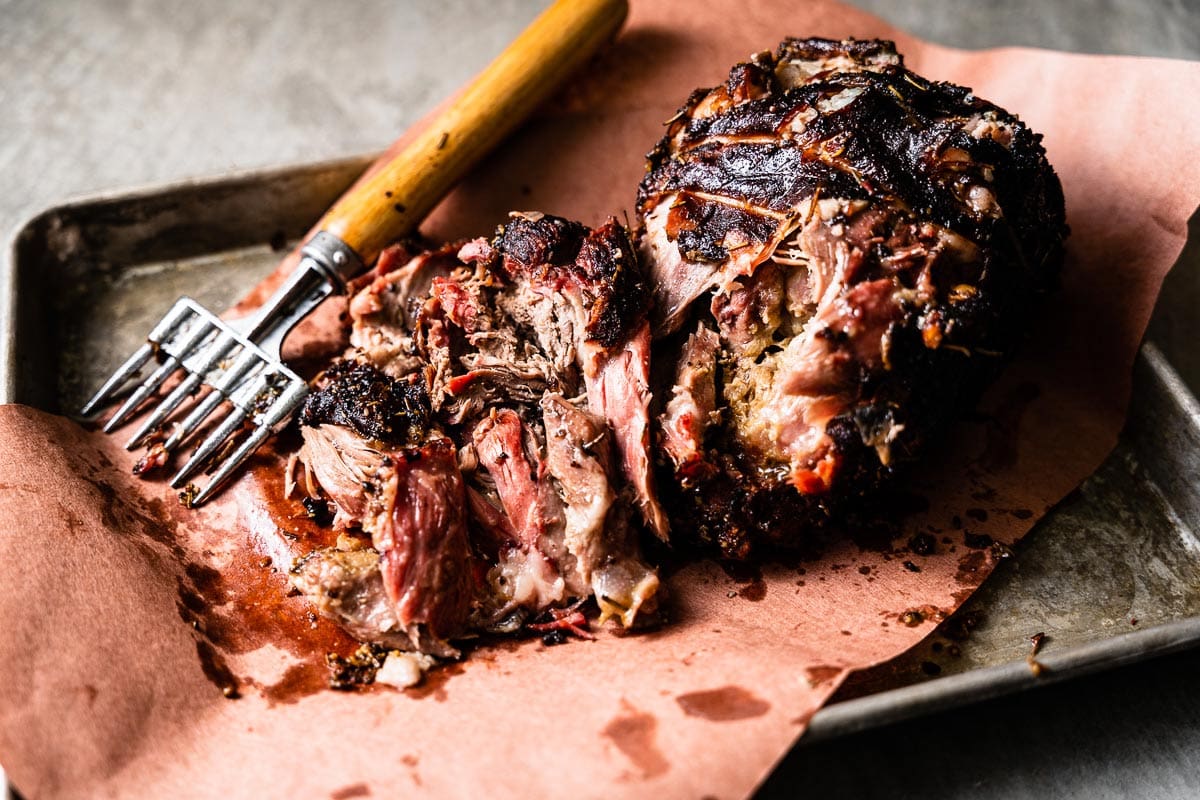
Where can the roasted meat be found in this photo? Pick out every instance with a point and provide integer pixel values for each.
(843, 254)
(489, 431)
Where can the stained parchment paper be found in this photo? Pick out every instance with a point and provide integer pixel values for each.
(125, 620)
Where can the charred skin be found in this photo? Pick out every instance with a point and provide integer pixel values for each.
(369, 402)
(867, 245)
(601, 264)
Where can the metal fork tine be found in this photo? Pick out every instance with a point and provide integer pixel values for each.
(190, 338)
(164, 409)
(245, 449)
(173, 318)
(132, 365)
(241, 410)
(278, 411)
(209, 446)
(197, 334)
(212, 354)
(196, 417)
(144, 391)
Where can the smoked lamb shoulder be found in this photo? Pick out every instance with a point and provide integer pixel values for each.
(843, 254)
(485, 441)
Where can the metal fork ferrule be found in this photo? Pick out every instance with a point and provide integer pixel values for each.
(336, 259)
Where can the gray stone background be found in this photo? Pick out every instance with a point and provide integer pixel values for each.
(122, 93)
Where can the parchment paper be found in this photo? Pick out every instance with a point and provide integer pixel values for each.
(122, 615)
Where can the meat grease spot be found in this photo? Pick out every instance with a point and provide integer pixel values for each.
(755, 591)
(434, 683)
(633, 732)
(726, 704)
(821, 674)
(970, 568)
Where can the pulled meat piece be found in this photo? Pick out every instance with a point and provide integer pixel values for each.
(341, 464)
(858, 250)
(692, 408)
(418, 523)
(596, 530)
(369, 448)
(586, 302)
(347, 586)
(494, 402)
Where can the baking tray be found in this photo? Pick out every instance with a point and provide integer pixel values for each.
(1111, 575)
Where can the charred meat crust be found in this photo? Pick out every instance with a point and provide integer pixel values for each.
(868, 245)
(888, 143)
(377, 407)
(602, 263)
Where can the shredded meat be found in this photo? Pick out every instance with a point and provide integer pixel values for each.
(493, 405)
(858, 250)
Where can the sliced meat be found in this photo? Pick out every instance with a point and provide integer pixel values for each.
(472, 393)
(578, 457)
(383, 314)
(676, 283)
(866, 244)
(586, 289)
(530, 503)
(494, 533)
(619, 390)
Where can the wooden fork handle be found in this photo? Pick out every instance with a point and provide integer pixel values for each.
(397, 197)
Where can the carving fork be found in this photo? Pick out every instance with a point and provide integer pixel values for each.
(238, 361)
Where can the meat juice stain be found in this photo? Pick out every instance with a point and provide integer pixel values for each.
(726, 704)
(633, 732)
(434, 683)
(961, 595)
(217, 670)
(235, 610)
(921, 614)
(108, 507)
(287, 514)
(754, 591)
(970, 568)
(245, 607)
(350, 792)
(749, 574)
(412, 762)
(258, 610)
(299, 680)
(820, 675)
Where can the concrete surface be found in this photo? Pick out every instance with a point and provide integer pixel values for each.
(115, 94)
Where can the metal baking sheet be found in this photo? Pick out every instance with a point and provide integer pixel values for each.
(1108, 575)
